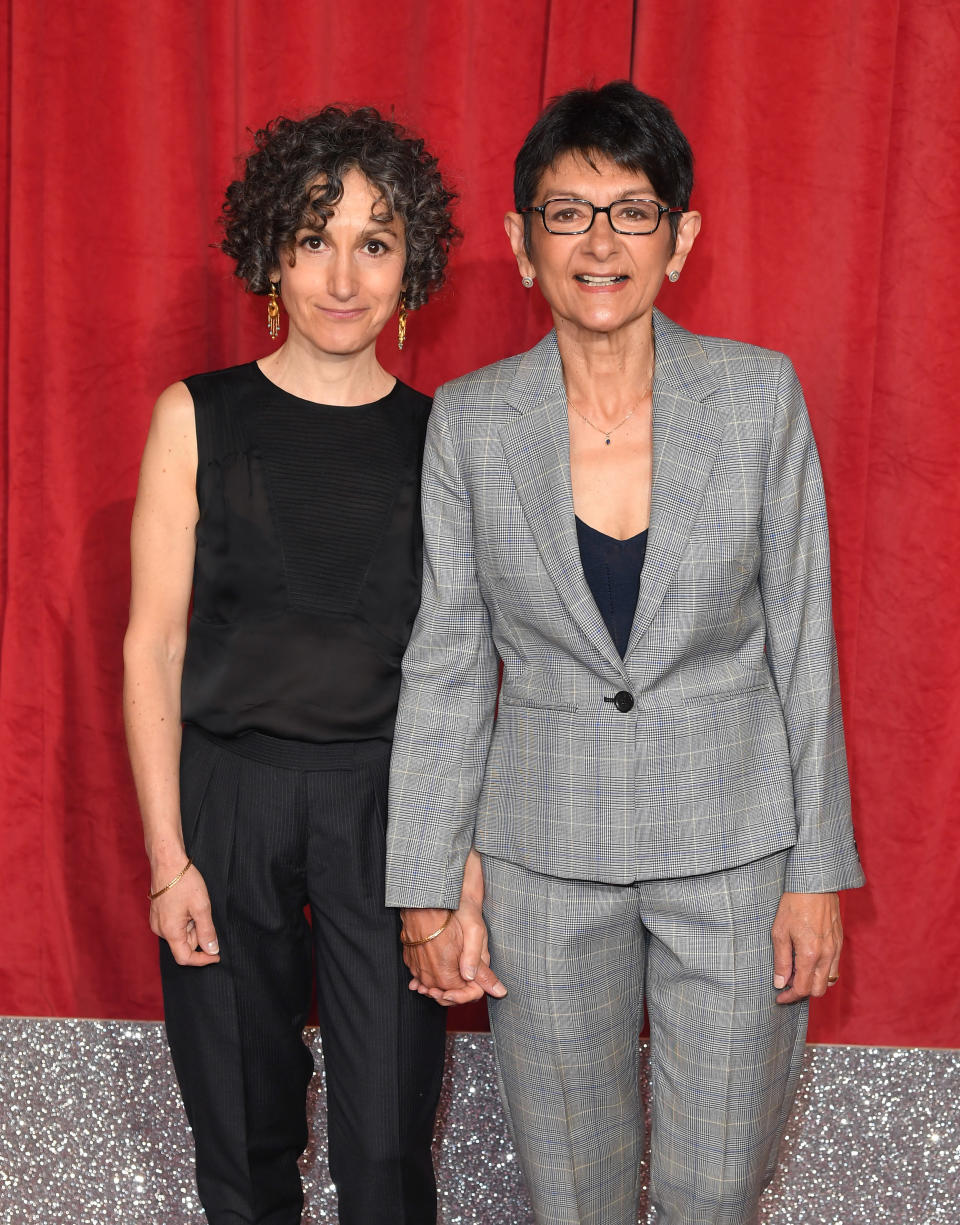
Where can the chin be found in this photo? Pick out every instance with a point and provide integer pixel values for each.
(342, 346)
(603, 325)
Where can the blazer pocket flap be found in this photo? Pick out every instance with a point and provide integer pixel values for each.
(537, 701)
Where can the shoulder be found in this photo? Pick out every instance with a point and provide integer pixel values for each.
(736, 363)
(753, 382)
(470, 410)
(173, 413)
(745, 382)
(218, 383)
(407, 413)
(410, 401)
(728, 361)
(479, 403)
(222, 400)
(171, 447)
(483, 388)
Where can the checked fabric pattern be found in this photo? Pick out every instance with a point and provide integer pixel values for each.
(579, 960)
(733, 747)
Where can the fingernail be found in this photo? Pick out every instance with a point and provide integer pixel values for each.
(213, 947)
(470, 973)
(779, 981)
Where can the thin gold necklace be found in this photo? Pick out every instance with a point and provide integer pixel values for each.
(606, 433)
(600, 430)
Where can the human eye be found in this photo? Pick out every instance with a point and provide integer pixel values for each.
(570, 213)
(636, 210)
(311, 241)
(376, 246)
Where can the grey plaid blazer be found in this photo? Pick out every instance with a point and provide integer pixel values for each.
(726, 741)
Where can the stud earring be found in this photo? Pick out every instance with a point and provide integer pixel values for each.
(402, 322)
(273, 311)
(527, 282)
(674, 276)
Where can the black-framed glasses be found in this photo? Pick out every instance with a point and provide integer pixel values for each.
(567, 216)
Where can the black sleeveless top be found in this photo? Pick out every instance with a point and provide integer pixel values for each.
(308, 562)
(612, 570)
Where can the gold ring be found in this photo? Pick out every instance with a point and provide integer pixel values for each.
(831, 981)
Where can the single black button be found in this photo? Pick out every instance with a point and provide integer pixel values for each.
(623, 701)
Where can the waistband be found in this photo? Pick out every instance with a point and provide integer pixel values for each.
(295, 754)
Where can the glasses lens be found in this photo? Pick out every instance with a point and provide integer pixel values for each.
(635, 216)
(567, 216)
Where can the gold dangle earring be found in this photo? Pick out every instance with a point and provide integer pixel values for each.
(273, 311)
(402, 322)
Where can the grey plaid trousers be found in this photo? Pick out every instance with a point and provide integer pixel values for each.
(579, 959)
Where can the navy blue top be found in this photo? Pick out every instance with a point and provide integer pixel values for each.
(612, 570)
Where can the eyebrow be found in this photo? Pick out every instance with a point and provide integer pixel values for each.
(373, 226)
(628, 193)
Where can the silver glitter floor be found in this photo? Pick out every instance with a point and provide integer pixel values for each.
(92, 1132)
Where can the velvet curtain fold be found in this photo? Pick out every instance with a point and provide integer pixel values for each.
(827, 139)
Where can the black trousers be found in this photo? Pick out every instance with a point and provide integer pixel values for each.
(273, 825)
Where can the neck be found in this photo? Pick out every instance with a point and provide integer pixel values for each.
(607, 373)
(327, 378)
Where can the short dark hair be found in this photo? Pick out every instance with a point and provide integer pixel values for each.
(618, 122)
(275, 198)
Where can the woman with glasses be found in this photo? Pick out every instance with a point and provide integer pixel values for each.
(281, 498)
(631, 518)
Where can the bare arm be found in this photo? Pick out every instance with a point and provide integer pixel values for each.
(162, 556)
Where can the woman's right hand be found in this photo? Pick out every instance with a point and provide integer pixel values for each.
(182, 916)
(455, 967)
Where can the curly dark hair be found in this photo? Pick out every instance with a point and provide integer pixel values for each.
(277, 195)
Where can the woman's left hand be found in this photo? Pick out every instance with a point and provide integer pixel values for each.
(807, 938)
(474, 960)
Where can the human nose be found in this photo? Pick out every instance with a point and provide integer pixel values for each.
(601, 238)
(343, 282)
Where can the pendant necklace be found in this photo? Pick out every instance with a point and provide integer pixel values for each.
(606, 433)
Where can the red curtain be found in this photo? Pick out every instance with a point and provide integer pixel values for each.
(827, 143)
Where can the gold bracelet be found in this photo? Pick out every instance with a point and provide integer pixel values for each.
(411, 944)
(179, 876)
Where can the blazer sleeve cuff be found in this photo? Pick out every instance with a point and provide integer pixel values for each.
(426, 882)
(804, 877)
(424, 897)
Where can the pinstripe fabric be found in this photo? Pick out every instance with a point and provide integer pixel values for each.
(724, 1056)
(733, 749)
(273, 824)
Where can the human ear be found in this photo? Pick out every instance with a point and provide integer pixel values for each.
(687, 232)
(514, 225)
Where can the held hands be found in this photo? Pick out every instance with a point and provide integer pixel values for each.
(454, 968)
(807, 938)
(181, 915)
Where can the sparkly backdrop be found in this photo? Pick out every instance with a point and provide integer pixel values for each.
(92, 1133)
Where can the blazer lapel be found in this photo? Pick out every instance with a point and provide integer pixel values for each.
(687, 431)
(536, 445)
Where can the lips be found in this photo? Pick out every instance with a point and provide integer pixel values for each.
(599, 281)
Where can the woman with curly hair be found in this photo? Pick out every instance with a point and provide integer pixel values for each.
(281, 497)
